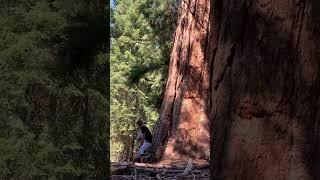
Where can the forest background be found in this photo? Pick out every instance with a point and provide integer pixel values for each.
(141, 42)
(54, 75)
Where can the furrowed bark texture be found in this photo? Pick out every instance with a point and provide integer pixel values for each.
(183, 130)
(265, 89)
(250, 70)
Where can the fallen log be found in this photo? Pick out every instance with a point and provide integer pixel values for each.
(160, 166)
(121, 163)
(148, 165)
(136, 171)
(195, 171)
(121, 177)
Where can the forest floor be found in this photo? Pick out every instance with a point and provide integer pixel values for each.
(164, 170)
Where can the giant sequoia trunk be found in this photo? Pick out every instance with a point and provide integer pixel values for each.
(183, 130)
(250, 69)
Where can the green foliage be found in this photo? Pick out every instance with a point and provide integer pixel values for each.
(141, 42)
(54, 97)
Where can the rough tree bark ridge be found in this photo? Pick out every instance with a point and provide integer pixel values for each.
(250, 70)
(183, 130)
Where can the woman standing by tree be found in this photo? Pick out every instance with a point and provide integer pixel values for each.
(146, 137)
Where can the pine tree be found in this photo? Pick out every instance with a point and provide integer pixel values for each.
(141, 42)
(54, 97)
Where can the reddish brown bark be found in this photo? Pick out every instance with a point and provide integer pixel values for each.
(183, 130)
(251, 70)
(265, 83)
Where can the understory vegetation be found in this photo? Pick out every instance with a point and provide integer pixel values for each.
(141, 38)
(54, 89)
